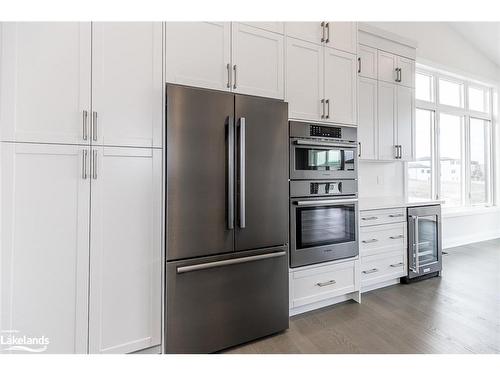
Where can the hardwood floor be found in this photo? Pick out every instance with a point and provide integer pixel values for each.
(456, 313)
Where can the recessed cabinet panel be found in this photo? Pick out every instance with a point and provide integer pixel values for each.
(309, 31)
(304, 79)
(386, 120)
(44, 248)
(405, 116)
(340, 86)
(367, 64)
(342, 36)
(276, 27)
(257, 57)
(367, 123)
(125, 269)
(45, 81)
(387, 67)
(407, 74)
(127, 83)
(198, 54)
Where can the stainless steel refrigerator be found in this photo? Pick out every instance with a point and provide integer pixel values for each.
(226, 226)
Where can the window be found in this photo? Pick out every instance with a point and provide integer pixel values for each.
(453, 146)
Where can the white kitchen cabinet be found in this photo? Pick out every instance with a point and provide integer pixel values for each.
(339, 35)
(44, 246)
(199, 54)
(386, 120)
(127, 87)
(367, 118)
(45, 81)
(367, 62)
(304, 79)
(275, 27)
(405, 122)
(125, 268)
(388, 66)
(340, 86)
(257, 58)
(407, 74)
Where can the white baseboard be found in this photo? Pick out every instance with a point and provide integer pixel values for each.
(468, 239)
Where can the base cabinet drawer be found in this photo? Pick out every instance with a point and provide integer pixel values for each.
(379, 268)
(313, 285)
(382, 238)
(388, 216)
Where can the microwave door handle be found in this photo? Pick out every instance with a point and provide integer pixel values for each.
(323, 202)
(326, 144)
(242, 172)
(230, 173)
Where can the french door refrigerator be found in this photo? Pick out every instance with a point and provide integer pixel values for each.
(226, 226)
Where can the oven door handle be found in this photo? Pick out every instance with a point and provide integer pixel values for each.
(327, 144)
(323, 202)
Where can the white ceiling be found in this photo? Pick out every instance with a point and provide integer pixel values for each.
(485, 36)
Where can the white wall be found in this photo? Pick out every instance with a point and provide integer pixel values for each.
(441, 47)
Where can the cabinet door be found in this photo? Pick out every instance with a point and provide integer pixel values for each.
(127, 83)
(340, 86)
(342, 35)
(276, 27)
(386, 120)
(407, 67)
(257, 57)
(125, 258)
(44, 247)
(312, 32)
(198, 54)
(387, 67)
(367, 64)
(367, 123)
(45, 85)
(304, 79)
(405, 109)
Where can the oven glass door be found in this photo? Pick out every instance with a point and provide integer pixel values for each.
(325, 225)
(312, 158)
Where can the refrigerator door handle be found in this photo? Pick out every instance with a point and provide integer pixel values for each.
(230, 173)
(242, 172)
(221, 263)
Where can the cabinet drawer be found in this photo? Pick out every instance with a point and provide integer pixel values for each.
(388, 216)
(382, 267)
(321, 283)
(381, 238)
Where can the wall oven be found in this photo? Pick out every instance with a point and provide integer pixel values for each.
(323, 221)
(322, 152)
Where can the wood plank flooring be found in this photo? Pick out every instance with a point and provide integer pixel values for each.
(456, 313)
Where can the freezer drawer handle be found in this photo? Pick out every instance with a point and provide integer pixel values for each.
(326, 283)
(370, 271)
(228, 262)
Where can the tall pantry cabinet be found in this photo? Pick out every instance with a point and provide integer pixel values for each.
(81, 184)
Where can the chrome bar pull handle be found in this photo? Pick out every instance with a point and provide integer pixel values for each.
(230, 174)
(359, 64)
(322, 32)
(323, 108)
(84, 164)
(373, 240)
(417, 262)
(359, 149)
(373, 270)
(396, 237)
(235, 68)
(94, 165)
(242, 172)
(327, 32)
(369, 218)
(228, 67)
(94, 126)
(326, 283)
(397, 75)
(328, 108)
(396, 265)
(85, 125)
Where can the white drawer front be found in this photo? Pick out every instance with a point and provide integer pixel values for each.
(382, 238)
(378, 268)
(375, 217)
(321, 283)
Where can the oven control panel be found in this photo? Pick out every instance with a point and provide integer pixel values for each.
(325, 188)
(325, 131)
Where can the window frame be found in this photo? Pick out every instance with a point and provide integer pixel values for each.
(466, 114)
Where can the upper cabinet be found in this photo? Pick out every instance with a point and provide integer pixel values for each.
(127, 83)
(204, 64)
(45, 82)
(257, 57)
(396, 69)
(275, 27)
(338, 35)
(367, 62)
(47, 72)
(254, 67)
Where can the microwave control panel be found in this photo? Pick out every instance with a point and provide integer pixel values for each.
(325, 131)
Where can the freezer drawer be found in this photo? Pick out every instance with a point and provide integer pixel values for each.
(221, 301)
